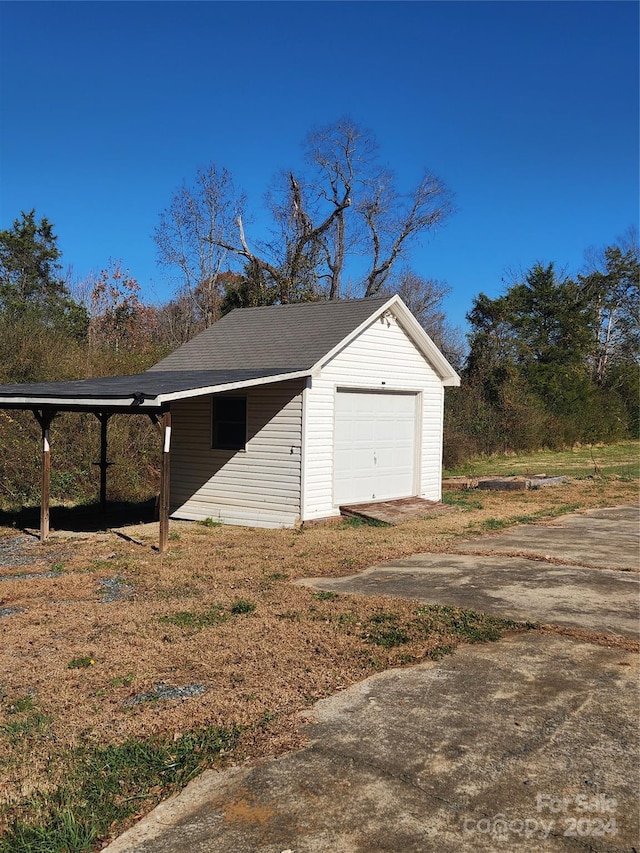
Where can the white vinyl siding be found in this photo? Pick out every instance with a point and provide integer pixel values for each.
(257, 486)
(382, 357)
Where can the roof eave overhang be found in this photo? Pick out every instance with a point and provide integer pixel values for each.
(232, 386)
(82, 404)
(149, 405)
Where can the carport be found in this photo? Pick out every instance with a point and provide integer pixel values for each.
(149, 394)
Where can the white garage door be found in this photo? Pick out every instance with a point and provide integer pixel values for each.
(374, 450)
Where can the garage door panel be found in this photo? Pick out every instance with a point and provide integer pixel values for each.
(374, 453)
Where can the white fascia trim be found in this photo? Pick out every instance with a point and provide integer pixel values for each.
(230, 386)
(421, 339)
(424, 343)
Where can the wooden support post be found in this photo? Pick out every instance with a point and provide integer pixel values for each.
(46, 484)
(44, 418)
(165, 486)
(103, 417)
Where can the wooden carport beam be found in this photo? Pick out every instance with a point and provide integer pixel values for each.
(44, 418)
(165, 486)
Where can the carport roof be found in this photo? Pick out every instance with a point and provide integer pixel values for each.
(142, 392)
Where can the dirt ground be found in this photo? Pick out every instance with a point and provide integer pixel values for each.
(92, 628)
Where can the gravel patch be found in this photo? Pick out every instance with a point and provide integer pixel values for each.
(165, 693)
(9, 611)
(115, 589)
(25, 576)
(16, 551)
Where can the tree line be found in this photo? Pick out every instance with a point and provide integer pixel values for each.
(550, 362)
(553, 361)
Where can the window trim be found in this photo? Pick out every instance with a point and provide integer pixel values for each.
(229, 448)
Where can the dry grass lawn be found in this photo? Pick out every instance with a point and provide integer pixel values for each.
(73, 667)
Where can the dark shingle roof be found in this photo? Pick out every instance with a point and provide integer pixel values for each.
(149, 384)
(289, 337)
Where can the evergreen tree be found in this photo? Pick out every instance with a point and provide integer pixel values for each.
(532, 356)
(31, 287)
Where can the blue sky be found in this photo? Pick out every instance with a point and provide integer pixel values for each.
(528, 111)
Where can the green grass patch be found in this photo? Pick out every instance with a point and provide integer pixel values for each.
(29, 726)
(123, 680)
(383, 629)
(290, 615)
(494, 524)
(104, 786)
(621, 460)
(81, 662)
(215, 615)
(195, 621)
(242, 606)
(25, 723)
(278, 576)
(210, 522)
(388, 630)
(99, 566)
(21, 705)
(325, 595)
(464, 498)
(468, 625)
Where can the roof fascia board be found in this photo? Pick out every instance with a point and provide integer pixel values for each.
(232, 386)
(424, 343)
(151, 404)
(122, 404)
(420, 338)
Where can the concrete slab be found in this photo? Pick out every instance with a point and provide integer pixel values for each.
(607, 537)
(396, 511)
(601, 600)
(527, 744)
(598, 600)
(515, 484)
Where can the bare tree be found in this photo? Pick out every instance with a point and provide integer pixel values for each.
(394, 221)
(611, 284)
(344, 206)
(192, 233)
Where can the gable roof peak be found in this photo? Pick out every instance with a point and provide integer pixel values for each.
(296, 337)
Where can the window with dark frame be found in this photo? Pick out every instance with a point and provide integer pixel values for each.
(229, 423)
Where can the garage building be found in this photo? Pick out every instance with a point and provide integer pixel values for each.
(347, 407)
(276, 415)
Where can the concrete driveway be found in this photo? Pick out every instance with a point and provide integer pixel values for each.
(527, 744)
(606, 538)
(537, 587)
